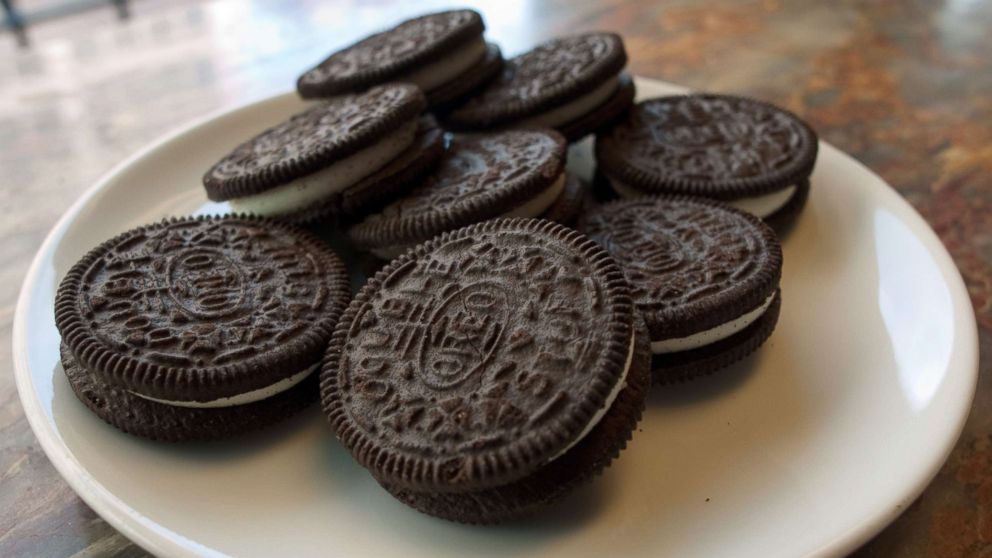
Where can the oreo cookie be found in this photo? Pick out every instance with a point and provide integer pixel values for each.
(444, 54)
(350, 147)
(568, 206)
(199, 328)
(573, 84)
(374, 191)
(704, 275)
(473, 399)
(750, 154)
(516, 173)
(147, 418)
(447, 95)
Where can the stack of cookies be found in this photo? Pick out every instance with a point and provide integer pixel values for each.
(502, 353)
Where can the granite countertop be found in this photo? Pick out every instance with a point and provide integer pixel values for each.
(905, 87)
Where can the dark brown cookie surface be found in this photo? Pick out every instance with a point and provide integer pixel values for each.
(554, 72)
(311, 140)
(197, 309)
(149, 419)
(445, 375)
(385, 55)
(692, 264)
(398, 176)
(579, 465)
(568, 206)
(717, 146)
(479, 177)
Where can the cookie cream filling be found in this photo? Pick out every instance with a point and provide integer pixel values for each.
(763, 206)
(759, 206)
(617, 388)
(305, 190)
(438, 73)
(540, 203)
(573, 109)
(241, 398)
(712, 335)
(533, 207)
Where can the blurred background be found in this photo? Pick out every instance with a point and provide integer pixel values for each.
(906, 87)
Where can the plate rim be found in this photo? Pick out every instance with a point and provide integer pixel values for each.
(149, 534)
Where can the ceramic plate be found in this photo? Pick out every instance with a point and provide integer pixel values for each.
(807, 448)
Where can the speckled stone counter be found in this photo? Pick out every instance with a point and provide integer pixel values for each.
(905, 87)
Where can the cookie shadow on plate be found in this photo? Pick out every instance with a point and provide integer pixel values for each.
(712, 386)
(79, 426)
(571, 512)
(242, 446)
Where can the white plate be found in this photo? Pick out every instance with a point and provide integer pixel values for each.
(807, 448)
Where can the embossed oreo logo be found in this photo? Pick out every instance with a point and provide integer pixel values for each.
(704, 137)
(463, 335)
(460, 349)
(654, 249)
(206, 283)
(204, 293)
(676, 252)
(700, 122)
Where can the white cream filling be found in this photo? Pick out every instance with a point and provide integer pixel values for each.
(537, 205)
(759, 206)
(432, 75)
(621, 383)
(573, 109)
(305, 190)
(763, 206)
(533, 207)
(241, 398)
(712, 335)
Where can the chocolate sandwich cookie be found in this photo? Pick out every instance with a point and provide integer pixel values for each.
(516, 173)
(371, 193)
(704, 275)
(573, 84)
(444, 54)
(489, 371)
(750, 154)
(568, 206)
(335, 150)
(147, 418)
(199, 328)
